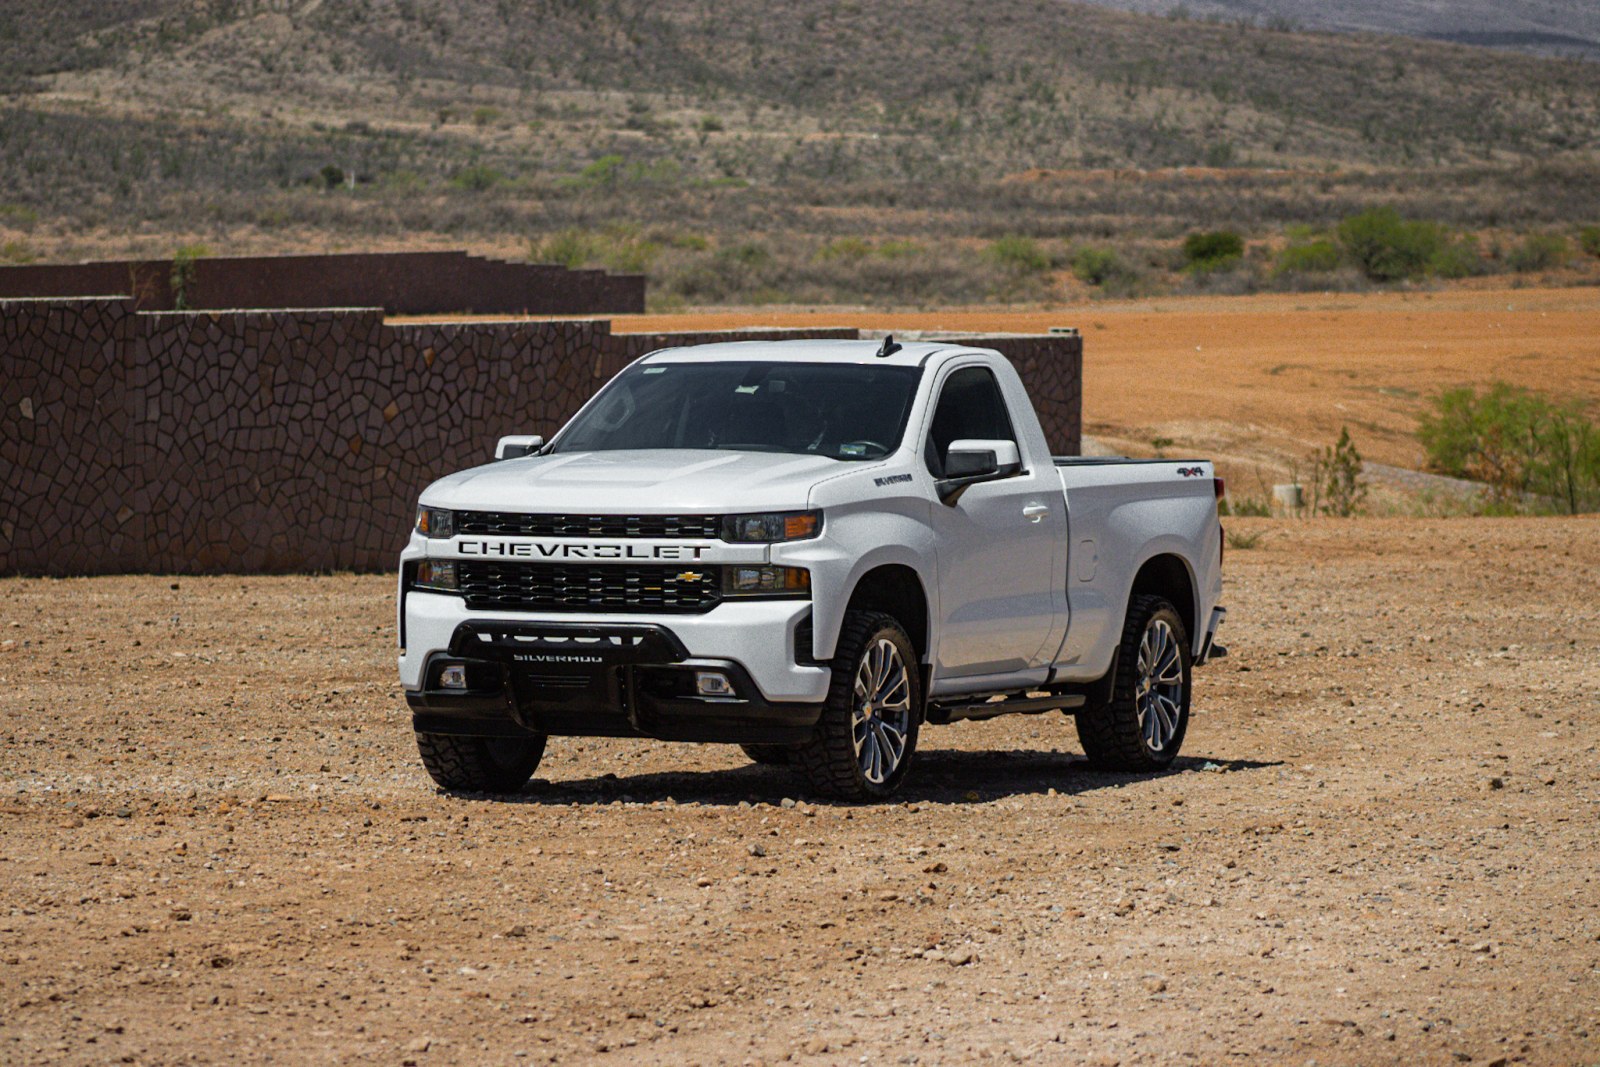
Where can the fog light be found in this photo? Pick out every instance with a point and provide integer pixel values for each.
(713, 684)
(453, 677)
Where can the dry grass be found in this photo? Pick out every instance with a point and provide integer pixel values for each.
(766, 135)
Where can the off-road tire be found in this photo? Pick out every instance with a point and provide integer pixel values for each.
(1111, 733)
(829, 760)
(769, 755)
(480, 764)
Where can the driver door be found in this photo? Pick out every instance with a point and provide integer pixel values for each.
(996, 545)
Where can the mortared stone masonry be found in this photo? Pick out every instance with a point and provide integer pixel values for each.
(251, 441)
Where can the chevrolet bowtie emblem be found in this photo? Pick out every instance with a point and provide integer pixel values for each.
(689, 576)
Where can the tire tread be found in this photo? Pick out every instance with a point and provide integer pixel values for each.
(1110, 733)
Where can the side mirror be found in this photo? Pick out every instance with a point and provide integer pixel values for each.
(518, 445)
(969, 462)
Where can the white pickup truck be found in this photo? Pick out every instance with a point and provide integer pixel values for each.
(811, 549)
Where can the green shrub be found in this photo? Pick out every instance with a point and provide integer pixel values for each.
(18, 215)
(1336, 478)
(1212, 250)
(1457, 258)
(1589, 240)
(1319, 256)
(483, 116)
(1020, 255)
(1538, 251)
(691, 242)
(568, 248)
(16, 252)
(185, 265)
(332, 176)
(476, 178)
(1524, 446)
(1244, 541)
(846, 248)
(1389, 248)
(1097, 266)
(898, 249)
(1246, 506)
(748, 255)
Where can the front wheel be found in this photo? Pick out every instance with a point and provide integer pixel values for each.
(1142, 727)
(868, 731)
(480, 764)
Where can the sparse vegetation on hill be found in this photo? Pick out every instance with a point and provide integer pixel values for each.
(138, 125)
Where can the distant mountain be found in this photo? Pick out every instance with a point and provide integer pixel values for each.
(1546, 27)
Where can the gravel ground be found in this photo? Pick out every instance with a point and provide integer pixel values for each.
(216, 842)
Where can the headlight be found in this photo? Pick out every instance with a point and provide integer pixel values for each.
(765, 581)
(436, 522)
(437, 574)
(773, 526)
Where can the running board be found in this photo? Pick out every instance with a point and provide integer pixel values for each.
(989, 709)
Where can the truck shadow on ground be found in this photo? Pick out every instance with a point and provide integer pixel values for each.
(938, 777)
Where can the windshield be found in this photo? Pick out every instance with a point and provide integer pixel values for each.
(840, 410)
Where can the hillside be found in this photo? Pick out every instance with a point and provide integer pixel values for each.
(1549, 27)
(133, 126)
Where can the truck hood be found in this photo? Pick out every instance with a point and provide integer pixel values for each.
(659, 481)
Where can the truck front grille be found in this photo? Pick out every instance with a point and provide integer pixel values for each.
(514, 524)
(494, 586)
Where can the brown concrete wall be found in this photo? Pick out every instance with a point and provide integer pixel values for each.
(295, 440)
(411, 283)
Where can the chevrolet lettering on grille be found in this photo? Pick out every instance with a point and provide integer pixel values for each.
(564, 550)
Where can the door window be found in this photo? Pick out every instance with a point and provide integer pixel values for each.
(970, 409)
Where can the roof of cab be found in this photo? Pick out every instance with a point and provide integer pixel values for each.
(910, 353)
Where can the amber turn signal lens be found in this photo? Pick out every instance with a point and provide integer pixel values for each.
(805, 524)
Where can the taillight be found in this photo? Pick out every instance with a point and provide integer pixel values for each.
(1220, 487)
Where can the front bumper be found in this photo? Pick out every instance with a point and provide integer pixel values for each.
(594, 680)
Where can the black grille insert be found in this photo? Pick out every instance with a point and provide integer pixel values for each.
(587, 587)
(512, 524)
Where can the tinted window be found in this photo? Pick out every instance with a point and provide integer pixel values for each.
(843, 411)
(970, 408)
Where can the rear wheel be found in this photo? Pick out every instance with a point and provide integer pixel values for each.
(868, 731)
(480, 764)
(769, 755)
(1142, 727)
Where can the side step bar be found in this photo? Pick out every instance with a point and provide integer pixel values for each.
(989, 709)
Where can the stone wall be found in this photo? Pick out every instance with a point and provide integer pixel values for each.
(297, 440)
(406, 283)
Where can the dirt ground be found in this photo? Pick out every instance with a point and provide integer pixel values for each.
(1257, 383)
(216, 841)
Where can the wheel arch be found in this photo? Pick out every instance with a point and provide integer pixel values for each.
(1168, 575)
(896, 589)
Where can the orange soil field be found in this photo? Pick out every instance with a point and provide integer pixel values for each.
(1257, 382)
(1266, 379)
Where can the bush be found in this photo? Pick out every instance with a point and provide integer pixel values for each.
(1538, 251)
(1589, 240)
(1457, 259)
(1212, 250)
(476, 178)
(846, 248)
(1099, 266)
(567, 248)
(1336, 478)
(1319, 256)
(1020, 255)
(1389, 248)
(1524, 446)
(16, 252)
(185, 265)
(332, 176)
